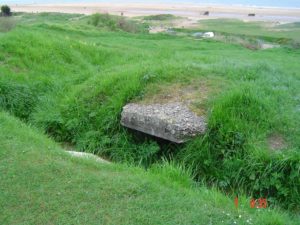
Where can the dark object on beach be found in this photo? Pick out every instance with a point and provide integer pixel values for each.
(122, 14)
(251, 14)
(5, 10)
(206, 13)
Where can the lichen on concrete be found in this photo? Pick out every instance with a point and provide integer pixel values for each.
(171, 121)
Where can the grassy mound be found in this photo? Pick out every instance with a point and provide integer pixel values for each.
(227, 157)
(71, 79)
(115, 23)
(40, 183)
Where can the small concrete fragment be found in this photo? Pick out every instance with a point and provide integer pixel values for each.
(171, 121)
(87, 155)
(209, 35)
(203, 35)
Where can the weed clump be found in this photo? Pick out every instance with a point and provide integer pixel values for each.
(115, 23)
(7, 24)
(18, 99)
(5, 11)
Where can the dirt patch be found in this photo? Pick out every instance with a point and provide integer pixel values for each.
(157, 29)
(164, 26)
(250, 43)
(269, 46)
(276, 142)
(194, 95)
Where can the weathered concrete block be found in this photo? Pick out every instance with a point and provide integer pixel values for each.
(172, 121)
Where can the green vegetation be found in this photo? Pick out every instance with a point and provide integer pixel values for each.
(41, 184)
(161, 17)
(7, 23)
(70, 75)
(265, 30)
(115, 23)
(5, 11)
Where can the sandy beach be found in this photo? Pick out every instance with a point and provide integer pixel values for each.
(192, 11)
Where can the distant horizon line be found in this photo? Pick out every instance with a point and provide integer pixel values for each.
(135, 2)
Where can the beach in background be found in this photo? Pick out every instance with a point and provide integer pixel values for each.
(258, 3)
(190, 10)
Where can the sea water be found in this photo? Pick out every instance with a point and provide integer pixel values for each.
(258, 3)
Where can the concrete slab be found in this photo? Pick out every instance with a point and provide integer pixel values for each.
(172, 121)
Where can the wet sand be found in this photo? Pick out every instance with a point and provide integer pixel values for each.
(192, 11)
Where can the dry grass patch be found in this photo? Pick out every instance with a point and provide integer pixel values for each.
(276, 142)
(7, 23)
(195, 94)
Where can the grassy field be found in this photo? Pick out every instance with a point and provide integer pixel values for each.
(70, 75)
(258, 29)
(41, 184)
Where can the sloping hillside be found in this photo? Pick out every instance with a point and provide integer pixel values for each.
(41, 184)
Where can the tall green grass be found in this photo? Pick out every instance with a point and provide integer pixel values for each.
(40, 184)
(267, 30)
(227, 158)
